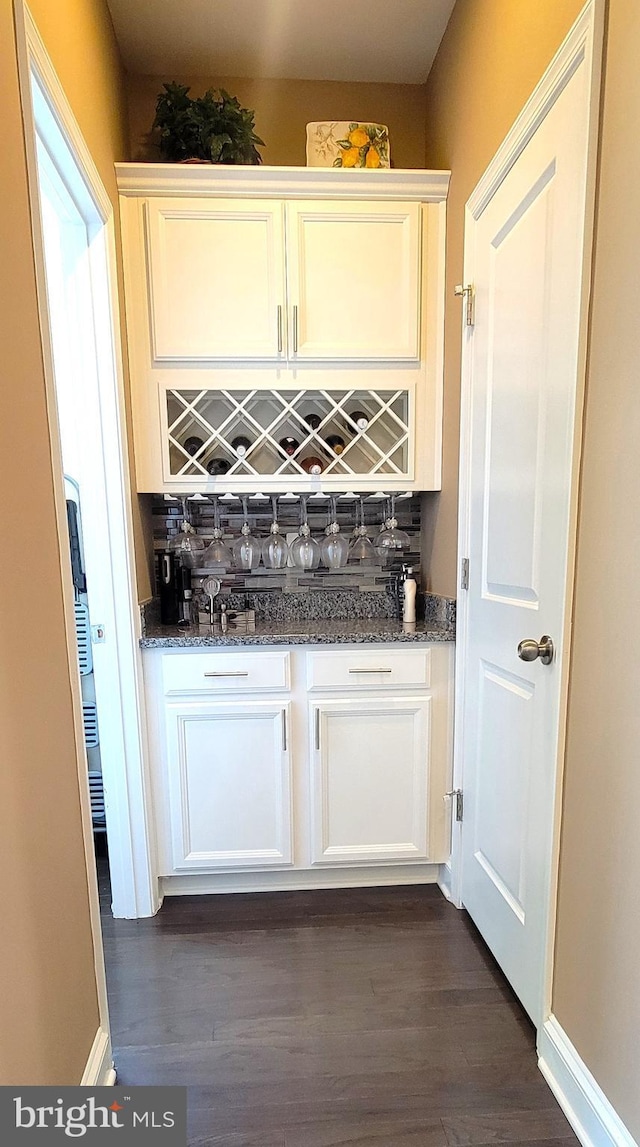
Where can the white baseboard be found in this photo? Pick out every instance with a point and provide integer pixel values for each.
(444, 881)
(99, 1070)
(583, 1101)
(295, 880)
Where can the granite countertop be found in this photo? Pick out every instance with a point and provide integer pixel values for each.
(323, 631)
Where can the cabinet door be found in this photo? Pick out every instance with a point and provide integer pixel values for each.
(370, 779)
(215, 278)
(354, 280)
(229, 785)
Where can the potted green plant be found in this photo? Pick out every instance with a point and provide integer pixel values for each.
(213, 128)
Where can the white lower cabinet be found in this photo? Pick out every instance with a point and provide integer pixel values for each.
(370, 771)
(229, 784)
(313, 761)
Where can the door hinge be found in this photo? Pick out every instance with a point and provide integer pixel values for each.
(458, 799)
(464, 573)
(468, 294)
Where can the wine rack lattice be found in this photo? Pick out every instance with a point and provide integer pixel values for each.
(203, 424)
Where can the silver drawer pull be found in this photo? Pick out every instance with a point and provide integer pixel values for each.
(317, 729)
(284, 730)
(380, 670)
(228, 673)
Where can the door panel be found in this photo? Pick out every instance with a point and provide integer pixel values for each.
(215, 279)
(370, 774)
(230, 786)
(524, 254)
(354, 280)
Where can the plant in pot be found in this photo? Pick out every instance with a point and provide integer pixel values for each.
(214, 128)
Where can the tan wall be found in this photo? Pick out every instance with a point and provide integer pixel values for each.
(491, 57)
(49, 1010)
(284, 107)
(596, 994)
(79, 38)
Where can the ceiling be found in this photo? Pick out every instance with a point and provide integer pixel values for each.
(383, 41)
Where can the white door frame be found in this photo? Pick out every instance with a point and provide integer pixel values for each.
(583, 43)
(129, 831)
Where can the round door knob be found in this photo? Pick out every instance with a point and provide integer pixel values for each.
(530, 650)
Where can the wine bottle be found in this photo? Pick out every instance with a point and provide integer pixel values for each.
(240, 445)
(312, 420)
(360, 418)
(218, 466)
(336, 443)
(312, 464)
(289, 445)
(193, 444)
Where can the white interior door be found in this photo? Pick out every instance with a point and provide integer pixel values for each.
(215, 279)
(524, 252)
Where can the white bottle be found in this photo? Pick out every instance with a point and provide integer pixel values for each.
(409, 600)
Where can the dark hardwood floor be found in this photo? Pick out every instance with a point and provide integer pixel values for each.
(351, 1017)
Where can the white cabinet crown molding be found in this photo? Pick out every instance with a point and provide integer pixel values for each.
(139, 179)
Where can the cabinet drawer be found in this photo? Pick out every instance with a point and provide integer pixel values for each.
(369, 669)
(225, 672)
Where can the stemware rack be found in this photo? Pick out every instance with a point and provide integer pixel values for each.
(168, 511)
(216, 418)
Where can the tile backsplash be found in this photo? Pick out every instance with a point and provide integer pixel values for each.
(371, 579)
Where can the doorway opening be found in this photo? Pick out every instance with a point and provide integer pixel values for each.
(75, 260)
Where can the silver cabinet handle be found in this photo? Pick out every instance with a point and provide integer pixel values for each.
(317, 728)
(382, 669)
(284, 730)
(279, 329)
(228, 673)
(295, 328)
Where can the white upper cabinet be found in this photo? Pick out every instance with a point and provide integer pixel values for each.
(256, 296)
(215, 279)
(354, 280)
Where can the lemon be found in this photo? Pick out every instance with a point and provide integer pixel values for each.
(358, 138)
(373, 158)
(351, 158)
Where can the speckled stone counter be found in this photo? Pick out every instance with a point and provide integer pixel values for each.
(372, 631)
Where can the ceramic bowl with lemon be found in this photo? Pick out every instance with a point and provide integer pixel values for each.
(343, 143)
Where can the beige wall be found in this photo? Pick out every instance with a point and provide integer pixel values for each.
(48, 1009)
(491, 57)
(284, 107)
(596, 994)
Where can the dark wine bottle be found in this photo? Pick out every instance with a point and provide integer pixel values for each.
(336, 443)
(312, 465)
(193, 444)
(360, 418)
(240, 445)
(289, 445)
(312, 420)
(218, 466)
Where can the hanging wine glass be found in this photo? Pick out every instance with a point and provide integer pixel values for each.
(246, 548)
(361, 550)
(188, 545)
(335, 547)
(305, 551)
(391, 540)
(217, 555)
(275, 550)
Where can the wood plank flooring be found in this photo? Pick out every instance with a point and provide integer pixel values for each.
(347, 1018)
